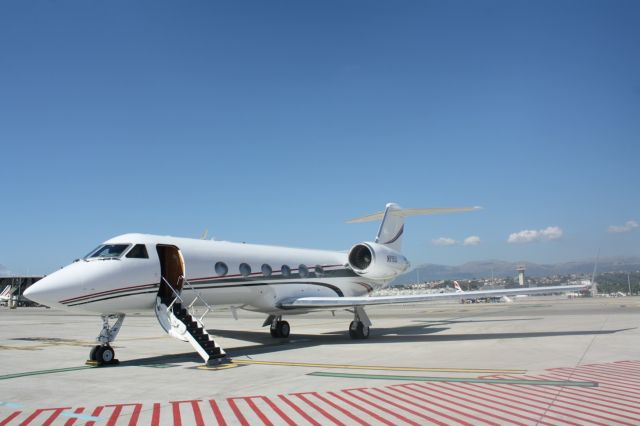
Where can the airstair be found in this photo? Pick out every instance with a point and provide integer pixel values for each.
(180, 321)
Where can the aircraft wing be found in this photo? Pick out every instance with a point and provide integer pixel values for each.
(346, 302)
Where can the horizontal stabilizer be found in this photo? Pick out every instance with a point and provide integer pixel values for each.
(413, 212)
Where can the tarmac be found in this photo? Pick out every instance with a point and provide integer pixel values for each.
(542, 360)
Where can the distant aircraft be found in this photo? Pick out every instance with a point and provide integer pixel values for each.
(136, 272)
(5, 296)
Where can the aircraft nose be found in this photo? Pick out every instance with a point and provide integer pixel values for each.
(40, 292)
(49, 290)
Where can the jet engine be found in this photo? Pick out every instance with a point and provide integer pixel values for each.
(376, 261)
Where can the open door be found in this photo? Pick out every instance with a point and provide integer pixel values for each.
(171, 268)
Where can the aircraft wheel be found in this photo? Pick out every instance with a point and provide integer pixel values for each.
(283, 329)
(274, 332)
(363, 330)
(105, 355)
(358, 330)
(353, 330)
(93, 353)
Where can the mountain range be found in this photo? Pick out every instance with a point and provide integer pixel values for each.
(499, 268)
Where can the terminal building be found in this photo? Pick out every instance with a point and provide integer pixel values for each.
(12, 288)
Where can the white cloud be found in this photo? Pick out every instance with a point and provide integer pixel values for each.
(551, 233)
(530, 236)
(627, 227)
(473, 240)
(443, 241)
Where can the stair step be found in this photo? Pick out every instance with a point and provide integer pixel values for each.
(213, 351)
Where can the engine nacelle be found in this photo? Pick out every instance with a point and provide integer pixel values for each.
(376, 261)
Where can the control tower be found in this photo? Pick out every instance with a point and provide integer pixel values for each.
(521, 270)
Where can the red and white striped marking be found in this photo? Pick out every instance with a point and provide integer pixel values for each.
(616, 401)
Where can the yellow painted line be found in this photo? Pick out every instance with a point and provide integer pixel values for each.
(217, 367)
(374, 367)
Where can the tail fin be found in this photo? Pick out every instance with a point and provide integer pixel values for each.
(392, 226)
(456, 285)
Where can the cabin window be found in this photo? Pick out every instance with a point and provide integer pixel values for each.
(245, 269)
(303, 271)
(286, 271)
(139, 251)
(107, 251)
(221, 269)
(266, 270)
(319, 270)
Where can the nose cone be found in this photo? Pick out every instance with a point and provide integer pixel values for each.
(43, 292)
(35, 293)
(50, 290)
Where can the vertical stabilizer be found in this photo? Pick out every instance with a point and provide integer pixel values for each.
(391, 228)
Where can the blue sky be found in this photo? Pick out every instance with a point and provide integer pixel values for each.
(274, 122)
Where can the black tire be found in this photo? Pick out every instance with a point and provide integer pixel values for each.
(105, 355)
(358, 330)
(283, 329)
(93, 353)
(363, 330)
(353, 330)
(274, 332)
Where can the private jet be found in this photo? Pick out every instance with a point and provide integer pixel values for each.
(178, 278)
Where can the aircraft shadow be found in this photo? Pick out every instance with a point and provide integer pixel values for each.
(390, 335)
(405, 334)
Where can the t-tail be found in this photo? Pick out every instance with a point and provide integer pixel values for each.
(392, 226)
(381, 260)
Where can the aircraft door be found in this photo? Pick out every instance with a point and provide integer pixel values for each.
(172, 268)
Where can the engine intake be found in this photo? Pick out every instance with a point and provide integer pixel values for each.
(376, 261)
(360, 257)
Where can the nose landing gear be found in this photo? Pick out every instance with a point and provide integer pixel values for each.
(103, 354)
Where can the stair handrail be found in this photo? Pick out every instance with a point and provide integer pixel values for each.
(198, 297)
(174, 292)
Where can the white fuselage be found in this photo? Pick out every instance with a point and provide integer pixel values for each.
(126, 285)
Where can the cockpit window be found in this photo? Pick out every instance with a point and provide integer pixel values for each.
(139, 251)
(108, 251)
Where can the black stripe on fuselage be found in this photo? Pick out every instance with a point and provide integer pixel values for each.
(246, 284)
(135, 288)
(112, 297)
(200, 287)
(197, 282)
(341, 273)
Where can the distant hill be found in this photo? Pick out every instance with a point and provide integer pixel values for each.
(483, 269)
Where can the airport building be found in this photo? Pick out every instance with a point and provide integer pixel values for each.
(12, 288)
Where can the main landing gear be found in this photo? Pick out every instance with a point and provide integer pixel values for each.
(279, 328)
(359, 327)
(103, 354)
